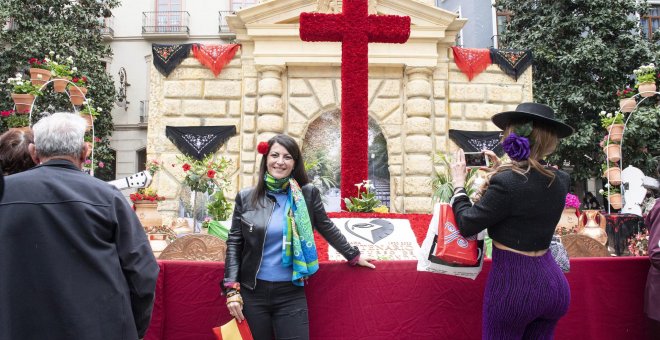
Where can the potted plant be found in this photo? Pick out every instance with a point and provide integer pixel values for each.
(626, 101)
(145, 203)
(365, 201)
(613, 123)
(611, 148)
(568, 222)
(61, 70)
(645, 78)
(220, 210)
(12, 119)
(90, 113)
(77, 90)
(612, 173)
(613, 195)
(39, 71)
(23, 93)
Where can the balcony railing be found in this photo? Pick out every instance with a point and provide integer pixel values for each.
(498, 41)
(108, 31)
(222, 21)
(144, 111)
(166, 23)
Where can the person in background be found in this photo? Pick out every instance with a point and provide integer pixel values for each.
(271, 250)
(14, 154)
(526, 292)
(589, 202)
(652, 291)
(74, 258)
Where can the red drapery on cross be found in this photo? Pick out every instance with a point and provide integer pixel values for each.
(355, 29)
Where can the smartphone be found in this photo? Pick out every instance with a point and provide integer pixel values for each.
(476, 159)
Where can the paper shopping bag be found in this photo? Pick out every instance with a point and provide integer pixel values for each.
(452, 247)
(233, 330)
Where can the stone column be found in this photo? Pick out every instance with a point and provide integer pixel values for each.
(418, 145)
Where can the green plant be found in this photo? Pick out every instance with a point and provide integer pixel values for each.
(219, 208)
(153, 166)
(612, 191)
(645, 74)
(12, 119)
(61, 67)
(21, 85)
(366, 200)
(607, 118)
(205, 175)
(441, 183)
(320, 172)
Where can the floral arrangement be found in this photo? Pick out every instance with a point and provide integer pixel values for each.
(147, 194)
(22, 86)
(627, 92)
(80, 81)
(645, 74)
(366, 200)
(60, 67)
(38, 63)
(517, 145)
(612, 190)
(153, 166)
(13, 119)
(205, 175)
(638, 244)
(572, 201)
(608, 118)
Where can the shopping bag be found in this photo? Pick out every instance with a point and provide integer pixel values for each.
(233, 330)
(451, 246)
(427, 261)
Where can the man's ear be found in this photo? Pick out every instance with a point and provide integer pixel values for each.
(33, 153)
(85, 152)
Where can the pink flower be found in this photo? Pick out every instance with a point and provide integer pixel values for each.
(101, 165)
(87, 161)
(97, 139)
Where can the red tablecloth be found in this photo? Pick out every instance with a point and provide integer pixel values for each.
(396, 301)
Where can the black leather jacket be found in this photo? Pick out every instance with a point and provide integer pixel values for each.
(245, 244)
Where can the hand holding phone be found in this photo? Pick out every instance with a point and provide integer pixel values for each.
(476, 159)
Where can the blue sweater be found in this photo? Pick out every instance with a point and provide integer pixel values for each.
(271, 265)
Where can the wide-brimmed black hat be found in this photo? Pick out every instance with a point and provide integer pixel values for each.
(534, 112)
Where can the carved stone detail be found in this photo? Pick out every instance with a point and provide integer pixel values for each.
(196, 247)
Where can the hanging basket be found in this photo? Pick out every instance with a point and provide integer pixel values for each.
(613, 152)
(59, 84)
(615, 201)
(23, 102)
(39, 76)
(77, 95)
(646, 89)
(627, 104)
(613, 175)
(616, 132)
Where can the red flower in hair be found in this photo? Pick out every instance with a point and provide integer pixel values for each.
(262, 148)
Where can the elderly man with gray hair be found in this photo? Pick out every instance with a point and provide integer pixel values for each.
(75, 262)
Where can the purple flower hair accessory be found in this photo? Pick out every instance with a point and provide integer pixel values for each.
(517, 147)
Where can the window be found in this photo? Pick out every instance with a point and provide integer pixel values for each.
(239, 4)
(650, 22)
(168, 15)
(502, 20)
(141, 159)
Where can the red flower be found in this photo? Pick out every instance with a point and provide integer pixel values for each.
(210, 174)
(75, 79)
(263, 147)
(6, 113)
(186, 167)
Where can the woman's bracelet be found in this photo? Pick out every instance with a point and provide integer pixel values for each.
(235, 298)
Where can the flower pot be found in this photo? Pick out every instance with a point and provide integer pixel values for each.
(39, 76)
(568, 221)
(627, 104)
(77, 95)
(613, 152)
(89, 119)
(90, 146)
(615, 201)
(147, 212)
(59, 84)
(646, 89)
(23, 102)
(613, 175)
(616, 132)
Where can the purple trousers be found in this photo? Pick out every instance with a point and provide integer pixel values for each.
(525, 297)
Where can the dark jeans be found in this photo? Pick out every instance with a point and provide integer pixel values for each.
(276, 307)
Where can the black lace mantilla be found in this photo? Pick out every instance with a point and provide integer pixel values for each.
(199, 141)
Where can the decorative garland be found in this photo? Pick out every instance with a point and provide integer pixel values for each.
(355, 29)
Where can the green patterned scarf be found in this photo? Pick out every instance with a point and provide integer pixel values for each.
(299, 249)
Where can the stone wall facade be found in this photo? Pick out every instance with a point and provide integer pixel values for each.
(414, 106)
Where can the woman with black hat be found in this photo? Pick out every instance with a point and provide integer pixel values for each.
(521, 204)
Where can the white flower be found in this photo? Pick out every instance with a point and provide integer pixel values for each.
(69, 59)
(57, 56)
(98, 109)
(609, 115)
(51, 53)
(52, 73)
(47, 60)
(607, 185)
(19, 76)
(602, 113)
(20, 82)
(601, 191)
(74, 69)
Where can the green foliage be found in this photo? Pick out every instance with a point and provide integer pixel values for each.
(366, 200)
(641, 140)
(13, 119)
(205, 175)
(68, 28)
(608, 118)
(320, 171)
(583, 52)
(219, 208)
(441, 182)
(22, 85)
(645, 74)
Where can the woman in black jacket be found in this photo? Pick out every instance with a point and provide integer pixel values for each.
(526, 292)
(271, 250)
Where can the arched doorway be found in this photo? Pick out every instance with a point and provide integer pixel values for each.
(321, 149)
